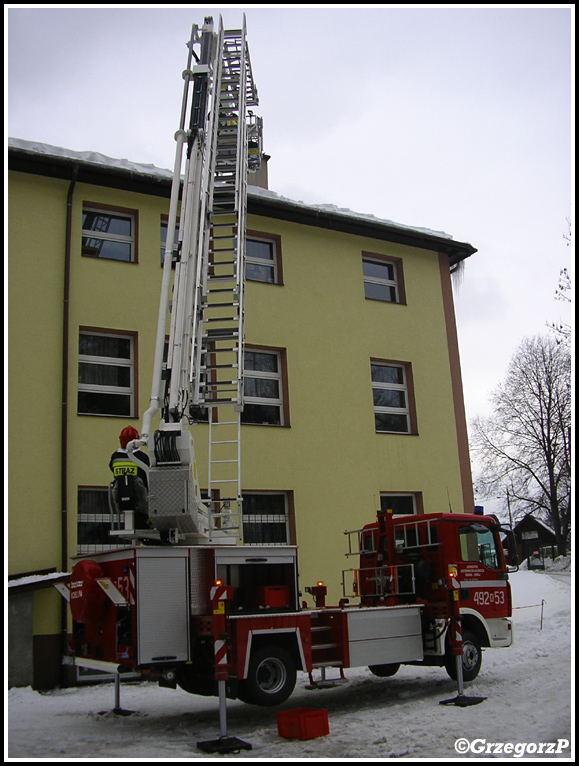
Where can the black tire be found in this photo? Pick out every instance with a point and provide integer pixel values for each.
(471, 658)
(384, 671)
(271, 677)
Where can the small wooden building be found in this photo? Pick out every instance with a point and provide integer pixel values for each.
(533, 537)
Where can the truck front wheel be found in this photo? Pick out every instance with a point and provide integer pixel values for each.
(471, 658)
(271, 677)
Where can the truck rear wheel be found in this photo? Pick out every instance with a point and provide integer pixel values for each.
(384, 671)
(471, 658)
(271, 677)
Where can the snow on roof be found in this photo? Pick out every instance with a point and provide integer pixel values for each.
(37, 579)
(540, 522)
(89, 158)
(95, 158)
(257, 191)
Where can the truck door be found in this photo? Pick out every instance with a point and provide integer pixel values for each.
(482, 574)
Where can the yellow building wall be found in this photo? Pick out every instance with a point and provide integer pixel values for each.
(112, 295)
(333, 459)
(36, 244)
(330, 457)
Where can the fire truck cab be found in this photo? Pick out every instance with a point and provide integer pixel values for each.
(445, 561)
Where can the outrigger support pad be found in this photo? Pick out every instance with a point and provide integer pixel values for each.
(461, 700)
(223, 745)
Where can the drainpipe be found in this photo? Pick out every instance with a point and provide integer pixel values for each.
(64, 416)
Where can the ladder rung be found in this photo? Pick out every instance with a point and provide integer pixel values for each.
(324, 646)
(221, 334)
(227, 441)
(223, 461)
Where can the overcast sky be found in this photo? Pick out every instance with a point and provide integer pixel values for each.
(458, 119)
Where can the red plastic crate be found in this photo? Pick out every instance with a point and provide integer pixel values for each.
(272, 596)
(302, 723)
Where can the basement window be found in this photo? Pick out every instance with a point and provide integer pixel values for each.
(94, 521)
(400, 505)
(265, 518)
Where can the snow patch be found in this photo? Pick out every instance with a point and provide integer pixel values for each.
(527, 686)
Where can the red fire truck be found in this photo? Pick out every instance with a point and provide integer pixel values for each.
(189, 615)
(186, 601)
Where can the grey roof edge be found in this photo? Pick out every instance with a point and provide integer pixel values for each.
(94, 168)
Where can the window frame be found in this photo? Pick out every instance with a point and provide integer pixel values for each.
(275, 262)
(397, 282)
(96, 388)
(121, 212)
(280, 376)
(409, 411)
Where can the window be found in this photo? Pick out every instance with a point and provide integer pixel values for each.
(263, 257)
(390, 391)
(400, 504)
(94, 521)
(106, 374)
(263, 385)
(266, 518)
(477, 543)
(383, 279)
(109, 233)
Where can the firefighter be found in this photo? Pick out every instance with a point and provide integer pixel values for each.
(130, 484)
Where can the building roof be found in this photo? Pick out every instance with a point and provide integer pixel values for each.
(96, 168)
(530, 519)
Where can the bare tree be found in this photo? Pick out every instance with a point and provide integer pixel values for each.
(525, 445)
(562, 329)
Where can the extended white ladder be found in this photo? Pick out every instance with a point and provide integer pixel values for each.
(217, 369)
(205, 351)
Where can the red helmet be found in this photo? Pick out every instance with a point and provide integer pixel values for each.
(127, 435)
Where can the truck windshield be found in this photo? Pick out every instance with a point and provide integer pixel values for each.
(478, 544)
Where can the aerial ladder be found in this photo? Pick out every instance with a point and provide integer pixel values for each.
(198, 374)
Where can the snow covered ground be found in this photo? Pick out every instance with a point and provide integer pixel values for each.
(529, 690)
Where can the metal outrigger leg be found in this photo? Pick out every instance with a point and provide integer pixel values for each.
(220, 596)
(118, 710)
(457, 648)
